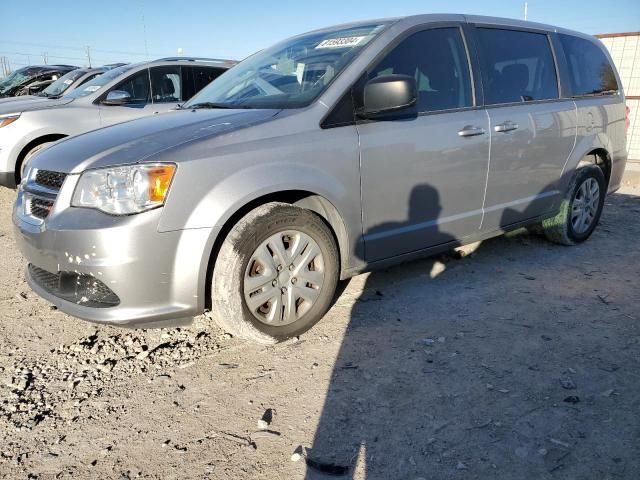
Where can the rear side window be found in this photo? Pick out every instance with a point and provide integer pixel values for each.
(203, 76)
(437, 59)
(590, 72)
(196, 78)
(517, 66)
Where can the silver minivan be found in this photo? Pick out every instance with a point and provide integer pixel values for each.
(123, 93)
(331, 153)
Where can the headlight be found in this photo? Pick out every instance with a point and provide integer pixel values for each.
(8, 118)
(124, 190)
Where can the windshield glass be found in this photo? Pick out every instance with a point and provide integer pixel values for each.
(64, 82)
(15, 78)
(290, 74)
(98, 82)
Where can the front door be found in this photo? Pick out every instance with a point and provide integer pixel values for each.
(154, 90)
(424, 176)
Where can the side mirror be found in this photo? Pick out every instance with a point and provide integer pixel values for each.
(388, 93)
(117, 97)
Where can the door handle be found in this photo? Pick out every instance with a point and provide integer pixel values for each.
(470, 131)
(507, 126)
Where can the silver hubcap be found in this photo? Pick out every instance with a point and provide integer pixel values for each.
(585, 205)
(284, 278)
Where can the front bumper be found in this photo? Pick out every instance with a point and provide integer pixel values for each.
(9, 144)
(8, 179)
(157, 278)
(7, 174)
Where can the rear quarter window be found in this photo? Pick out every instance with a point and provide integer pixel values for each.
(590, 72)
(517, 66)
(196, 78)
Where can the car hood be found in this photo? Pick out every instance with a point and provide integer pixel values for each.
(29, 98)
(137, 140)
(26, 104)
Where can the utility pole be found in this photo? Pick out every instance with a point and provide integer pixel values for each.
(526, 10)
(144, 30)
(89, 55)
(45, 58)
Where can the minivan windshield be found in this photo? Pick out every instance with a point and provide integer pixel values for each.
(58, 87)
(98, 82)
(290, 74)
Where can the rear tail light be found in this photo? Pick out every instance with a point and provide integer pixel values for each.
(627, 120)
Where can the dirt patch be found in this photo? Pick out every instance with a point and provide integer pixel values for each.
(517, 359)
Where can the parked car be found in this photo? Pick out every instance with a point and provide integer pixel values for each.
(120, 94)
(62, 86)
(31, 80)
(334, 152)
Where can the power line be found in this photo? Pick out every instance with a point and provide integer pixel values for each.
(35, 54)
(61, 47)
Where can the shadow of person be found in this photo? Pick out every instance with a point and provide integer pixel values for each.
(375, 410)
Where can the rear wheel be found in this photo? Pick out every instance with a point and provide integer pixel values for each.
(581, 208)
(275, 275)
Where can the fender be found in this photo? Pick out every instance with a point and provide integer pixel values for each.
(22, 141)
(328, 196)
(584, 145)
(321, 193)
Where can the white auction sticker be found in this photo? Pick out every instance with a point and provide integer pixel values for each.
(340, 42)
(68, 81)
(92, 88)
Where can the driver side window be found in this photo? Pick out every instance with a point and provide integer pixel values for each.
(137, 86)
(437, 59)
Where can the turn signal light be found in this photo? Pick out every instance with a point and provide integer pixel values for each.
(159, 181)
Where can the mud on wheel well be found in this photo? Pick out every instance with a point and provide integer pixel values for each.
(601, 158)
(34, 143)
(304, 199)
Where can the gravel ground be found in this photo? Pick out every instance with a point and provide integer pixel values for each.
(519, 360)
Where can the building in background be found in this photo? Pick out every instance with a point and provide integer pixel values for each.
(625, 51)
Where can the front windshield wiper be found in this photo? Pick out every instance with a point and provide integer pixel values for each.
(209, 105)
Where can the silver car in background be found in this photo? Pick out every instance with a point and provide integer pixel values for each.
(62, 86)
(123, 93)
(334, 152)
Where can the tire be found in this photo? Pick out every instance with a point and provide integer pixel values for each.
(21, 170)
(242, 253)
(561, 229)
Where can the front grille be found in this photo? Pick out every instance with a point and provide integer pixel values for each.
(39, 207)
(78, 288)
(49, 179)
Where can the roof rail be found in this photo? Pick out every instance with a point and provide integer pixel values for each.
(195, 59)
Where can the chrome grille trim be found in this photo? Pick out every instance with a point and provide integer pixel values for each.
(40, 192)
(38, 207)
(49, 179)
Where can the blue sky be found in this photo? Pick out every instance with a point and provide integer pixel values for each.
(234, 29)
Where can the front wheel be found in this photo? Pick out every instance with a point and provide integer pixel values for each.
(275, 275)
(581, 208)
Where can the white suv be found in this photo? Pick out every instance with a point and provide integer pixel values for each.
(124, 93)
